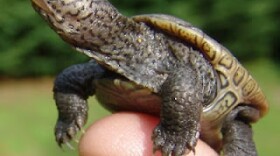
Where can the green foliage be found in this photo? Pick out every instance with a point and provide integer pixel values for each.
(28, 47)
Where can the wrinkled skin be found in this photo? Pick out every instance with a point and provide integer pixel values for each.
(137, 68)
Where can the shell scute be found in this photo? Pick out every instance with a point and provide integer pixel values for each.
(238, 76)
(226, 61)
(223, 79)
(249, 88)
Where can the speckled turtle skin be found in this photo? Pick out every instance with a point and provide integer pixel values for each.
(156, 64)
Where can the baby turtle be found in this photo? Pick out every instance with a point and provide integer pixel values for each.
(157, 64)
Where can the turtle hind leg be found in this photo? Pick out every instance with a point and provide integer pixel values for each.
(237, 132)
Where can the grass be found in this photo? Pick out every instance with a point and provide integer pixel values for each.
(267, 131)
(28, 114)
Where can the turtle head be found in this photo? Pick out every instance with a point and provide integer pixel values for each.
(77, 21)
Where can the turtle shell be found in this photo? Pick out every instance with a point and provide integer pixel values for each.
(236, 86)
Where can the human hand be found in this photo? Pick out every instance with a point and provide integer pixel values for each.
(126, 134)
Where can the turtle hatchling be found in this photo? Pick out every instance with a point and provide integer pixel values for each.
(156, 64)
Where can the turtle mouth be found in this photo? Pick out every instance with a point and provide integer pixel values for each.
(41, 5)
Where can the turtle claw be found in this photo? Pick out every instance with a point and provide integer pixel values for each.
(172, 144)
(65, 132)
(69, 146)
(83, 131)
(76, 141)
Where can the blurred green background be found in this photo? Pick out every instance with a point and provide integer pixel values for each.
(31, 54)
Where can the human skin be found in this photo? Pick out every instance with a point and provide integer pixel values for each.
(129, 134)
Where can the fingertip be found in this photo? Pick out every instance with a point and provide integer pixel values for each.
(125, 133)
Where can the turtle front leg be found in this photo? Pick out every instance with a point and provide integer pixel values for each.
(237, 132)
(71, 89)
(178, 130)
